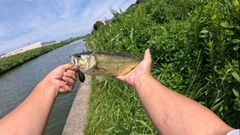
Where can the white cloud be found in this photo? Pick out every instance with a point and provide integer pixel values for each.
(53, 20)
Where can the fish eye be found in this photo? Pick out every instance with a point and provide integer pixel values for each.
(78, 56)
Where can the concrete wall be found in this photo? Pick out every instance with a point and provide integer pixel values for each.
(48, 43)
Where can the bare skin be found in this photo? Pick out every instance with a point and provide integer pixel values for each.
(170, 112)
(31, 116)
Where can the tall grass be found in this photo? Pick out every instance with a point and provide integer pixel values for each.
(115, 110)
(194, 46)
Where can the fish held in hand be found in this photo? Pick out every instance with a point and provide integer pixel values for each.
(104, 63)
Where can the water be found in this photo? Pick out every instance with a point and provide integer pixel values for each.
(16, 85)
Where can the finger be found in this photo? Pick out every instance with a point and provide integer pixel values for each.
(70, 74)
(147, 55)
(69, 80)
(61, 90)
(119, 77)
(147, 59)
(64, 88)
(71, 71)
(67, 66)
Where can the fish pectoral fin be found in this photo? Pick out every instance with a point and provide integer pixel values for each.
(100, 78)
(81, 76)
(102, 70)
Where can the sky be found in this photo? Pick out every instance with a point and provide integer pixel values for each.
(24, 22)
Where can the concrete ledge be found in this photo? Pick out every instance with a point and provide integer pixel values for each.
(77, 116)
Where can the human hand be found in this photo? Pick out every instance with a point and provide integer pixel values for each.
(139, 72)
(61, 79)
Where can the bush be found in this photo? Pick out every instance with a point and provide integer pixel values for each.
(194, 46)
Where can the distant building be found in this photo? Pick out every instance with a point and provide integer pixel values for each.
(26, 48)
(2, 56)
(48, 43)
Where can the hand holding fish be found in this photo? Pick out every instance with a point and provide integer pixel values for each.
(36, 108)
(136, 75)
(61, 79)
(101, 64)
(165, 108)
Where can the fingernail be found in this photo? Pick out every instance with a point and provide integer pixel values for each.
(61, 90)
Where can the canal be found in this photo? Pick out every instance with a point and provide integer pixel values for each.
(17, 84)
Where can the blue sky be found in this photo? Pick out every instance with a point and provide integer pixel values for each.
(30, 21)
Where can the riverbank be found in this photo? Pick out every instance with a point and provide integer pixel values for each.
(77, 116)
(195, 51)
(13, 61)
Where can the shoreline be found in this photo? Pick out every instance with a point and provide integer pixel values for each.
(78, 113)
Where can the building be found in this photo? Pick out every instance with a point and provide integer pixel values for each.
(2, 56)
(48, 43)
(26, 48)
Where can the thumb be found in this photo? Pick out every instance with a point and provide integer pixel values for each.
(67, 66)
(147, 59)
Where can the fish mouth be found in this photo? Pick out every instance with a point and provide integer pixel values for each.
(73, 60)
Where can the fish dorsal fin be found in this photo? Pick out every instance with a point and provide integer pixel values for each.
(125, 53)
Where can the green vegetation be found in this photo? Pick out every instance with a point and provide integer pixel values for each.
(195, 50)
(10, 62)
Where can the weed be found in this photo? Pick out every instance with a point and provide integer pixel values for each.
(194, 47)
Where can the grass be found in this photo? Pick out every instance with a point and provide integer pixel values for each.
(116, 110)
(195, 51)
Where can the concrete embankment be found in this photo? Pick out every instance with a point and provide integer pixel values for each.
(77, 116)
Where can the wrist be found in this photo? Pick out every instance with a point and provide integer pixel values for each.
(48, 87)
(141, 81)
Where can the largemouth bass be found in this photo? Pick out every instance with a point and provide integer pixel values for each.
(102, 64)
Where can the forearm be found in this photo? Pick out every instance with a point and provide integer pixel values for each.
(172, 113)
(31, 115)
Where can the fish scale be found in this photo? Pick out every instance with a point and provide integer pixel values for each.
(105, 63)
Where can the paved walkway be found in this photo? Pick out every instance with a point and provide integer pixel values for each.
(77, 116)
